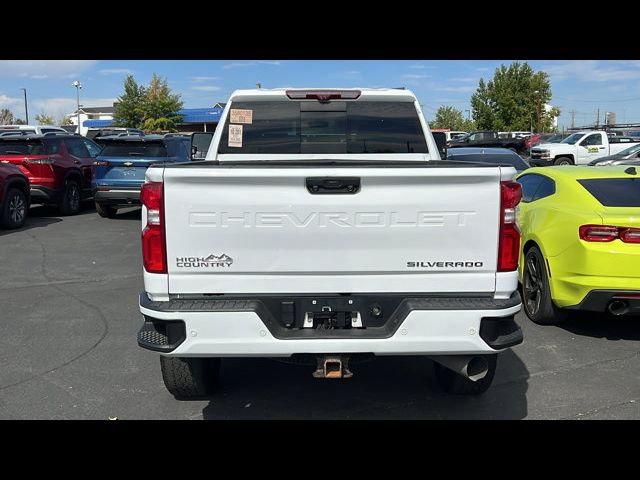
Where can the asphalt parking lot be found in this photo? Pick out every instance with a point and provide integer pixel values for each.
(69, 316)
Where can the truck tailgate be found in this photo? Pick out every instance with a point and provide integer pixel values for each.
(249, 230)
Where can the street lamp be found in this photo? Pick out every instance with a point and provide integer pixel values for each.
(26, 111)
(78, 86)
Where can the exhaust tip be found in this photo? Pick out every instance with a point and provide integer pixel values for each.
(477, 368)
(618, 307)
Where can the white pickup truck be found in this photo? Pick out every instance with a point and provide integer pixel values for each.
(323, 226)
(579, 148)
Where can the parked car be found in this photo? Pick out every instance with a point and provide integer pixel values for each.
(580, 233)
(628, 156)
(449, 134)
(549, 138)
(31, 129)
(517, 134)
(14, 196)
(579, 148)
(94, 133)
(59, 167)
(443, 136)
(488, 139)
(495, 156)
(538, 138)
(121, 165)
(325, 244)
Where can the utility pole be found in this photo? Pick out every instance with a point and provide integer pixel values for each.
(78, 86)
(26, 110)
(573, 119)
(598, 119)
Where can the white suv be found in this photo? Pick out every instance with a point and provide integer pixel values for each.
(27, 129)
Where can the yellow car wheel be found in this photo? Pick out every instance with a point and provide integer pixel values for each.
(536, 291)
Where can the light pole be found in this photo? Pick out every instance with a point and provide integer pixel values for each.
(26, 111)
(78, 86)
(468, 114)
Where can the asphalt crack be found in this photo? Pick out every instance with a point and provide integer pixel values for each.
(96, 309)
(600, 409)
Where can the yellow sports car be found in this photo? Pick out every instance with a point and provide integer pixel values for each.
(580, 242)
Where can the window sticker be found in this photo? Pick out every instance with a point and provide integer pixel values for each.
(235, 135)
(241, 116)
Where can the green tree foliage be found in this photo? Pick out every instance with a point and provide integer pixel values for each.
(128, 109)
(160, 107)
(19, 121)
(514, 100)
(66, 120)
(6, 117)
(44, 119)
(451, 118)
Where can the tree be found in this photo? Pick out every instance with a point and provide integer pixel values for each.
(19, 121)
(128, 109)
(6, 117)
(43, 119)
(160, 107)
(514, 99)
(66, 120)
(451, 118)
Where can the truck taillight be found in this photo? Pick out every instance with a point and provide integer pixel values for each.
(608, 233)
(509, 241)
(154, 246)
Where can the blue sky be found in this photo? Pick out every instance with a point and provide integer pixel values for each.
(580, 85)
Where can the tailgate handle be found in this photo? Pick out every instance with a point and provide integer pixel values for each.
(333, 185)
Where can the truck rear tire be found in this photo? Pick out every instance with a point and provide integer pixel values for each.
(563, 161)
(190, 378)
(106, 211)
(455, 384)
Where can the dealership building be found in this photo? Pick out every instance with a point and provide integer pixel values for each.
(193, 119)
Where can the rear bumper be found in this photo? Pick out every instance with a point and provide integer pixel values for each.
(117, 196)
(248, 327)
(540, 162)
(598, 300)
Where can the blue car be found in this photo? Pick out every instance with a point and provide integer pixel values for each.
(122, 163)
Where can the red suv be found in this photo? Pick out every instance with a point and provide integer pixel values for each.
(59, 167)
(14, 196)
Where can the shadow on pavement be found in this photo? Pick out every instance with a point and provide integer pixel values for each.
(133, 213)
(37, 217)
(384, 388)
(602, 325)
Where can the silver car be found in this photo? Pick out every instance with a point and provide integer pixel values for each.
(628, 156)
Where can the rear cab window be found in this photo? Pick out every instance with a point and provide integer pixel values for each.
(614, 192)
(133, 149)
(297, 127)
